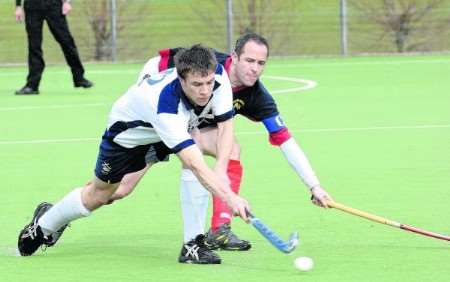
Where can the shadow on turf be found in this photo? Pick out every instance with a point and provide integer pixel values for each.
(150, 246)
(9, 251)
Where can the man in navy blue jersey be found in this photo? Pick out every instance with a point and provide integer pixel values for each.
(250, 99)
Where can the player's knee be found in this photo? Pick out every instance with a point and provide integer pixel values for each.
(102, 198)
(100, 201)
(93, 201)
(96, 194)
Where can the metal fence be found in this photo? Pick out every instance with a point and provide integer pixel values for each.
(133, 30)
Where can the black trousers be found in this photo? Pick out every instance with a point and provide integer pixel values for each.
(51, 12)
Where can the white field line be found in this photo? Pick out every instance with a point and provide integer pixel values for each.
(62, 106)
(67, 72)
(274, 65)
(9, 251)
(262, 132)
(349, 129)
(338, 64)
(306, 84)
(51, 141)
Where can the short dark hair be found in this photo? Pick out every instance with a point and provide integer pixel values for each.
(240, 43)
(197, 59)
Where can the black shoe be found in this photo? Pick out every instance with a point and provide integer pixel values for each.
(223, 238)
(83, 83)
(31, 237)
(42, 208)
(27, 91)
(196, 252)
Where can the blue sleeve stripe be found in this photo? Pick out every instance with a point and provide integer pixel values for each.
(182, 145)
(273, 124)
(169, 98)
(219, 69)
(224, 117)
(121, 126)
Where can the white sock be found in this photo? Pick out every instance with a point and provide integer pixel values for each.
(63, 212)
(194, 205)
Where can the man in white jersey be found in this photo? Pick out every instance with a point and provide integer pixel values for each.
(155, 115)
(244, 67)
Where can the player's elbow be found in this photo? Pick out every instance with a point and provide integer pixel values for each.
(279, 137)
(194, 165)
(192, 158)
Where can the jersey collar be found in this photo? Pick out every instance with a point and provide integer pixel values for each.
(187, 103)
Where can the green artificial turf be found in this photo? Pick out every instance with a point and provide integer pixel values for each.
(376, 130)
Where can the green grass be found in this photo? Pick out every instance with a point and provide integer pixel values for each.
(377, 131)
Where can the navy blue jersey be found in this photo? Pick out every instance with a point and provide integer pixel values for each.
(253, 102)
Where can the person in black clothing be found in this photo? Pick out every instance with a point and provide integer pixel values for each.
(54, 12)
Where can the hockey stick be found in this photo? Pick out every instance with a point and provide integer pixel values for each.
(274, 239)
(382, 220)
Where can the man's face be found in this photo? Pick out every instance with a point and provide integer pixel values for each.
(198, 88)
(250, 65)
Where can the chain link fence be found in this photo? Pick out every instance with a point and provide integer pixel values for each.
(133, 30)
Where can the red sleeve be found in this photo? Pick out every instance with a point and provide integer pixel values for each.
(164, 62)
(279, 137)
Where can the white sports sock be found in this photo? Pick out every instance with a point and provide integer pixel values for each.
(63, 212)
(194, 205)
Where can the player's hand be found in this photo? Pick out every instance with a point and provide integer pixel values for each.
(320, 197)
(66, 8)
(239, 206)
(19, 14)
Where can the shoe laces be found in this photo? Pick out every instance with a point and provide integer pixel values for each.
(31, 231)
(192, 251)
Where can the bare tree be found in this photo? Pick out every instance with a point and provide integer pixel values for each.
(212, 13)
(99, 21)
(400, 19)
(99, 17)
(271, 18)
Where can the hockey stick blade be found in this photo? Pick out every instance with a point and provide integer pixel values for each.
(272, 237)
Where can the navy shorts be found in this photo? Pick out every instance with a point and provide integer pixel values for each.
(114, 161)
(157, 152)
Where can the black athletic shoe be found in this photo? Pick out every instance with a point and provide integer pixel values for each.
(27, 91)
(223, 238)
(31, 237)
(84, 83)
(196, 252)
(42, 208)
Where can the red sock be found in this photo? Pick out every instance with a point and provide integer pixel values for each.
(221, 213)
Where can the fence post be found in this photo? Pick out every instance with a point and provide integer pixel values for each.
(343, 19)
(229, 25)
(113, 30)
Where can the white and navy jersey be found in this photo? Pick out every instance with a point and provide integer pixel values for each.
(253, 102)
(156, 109)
